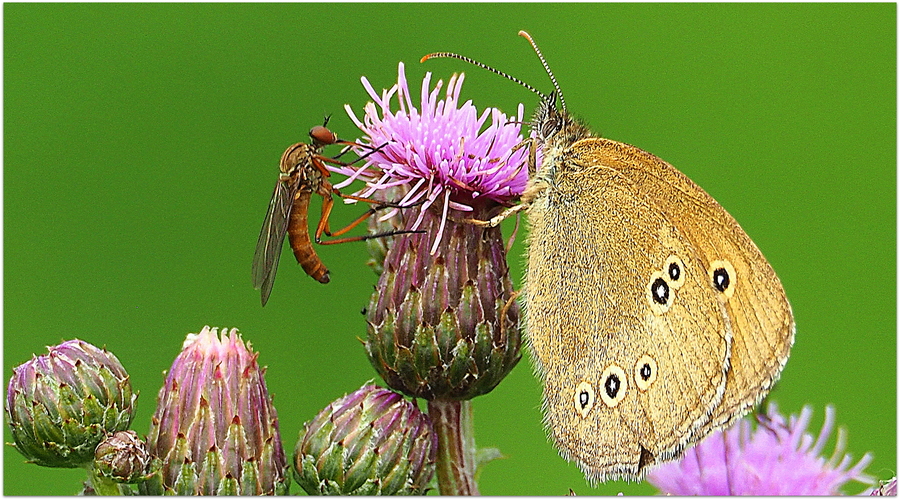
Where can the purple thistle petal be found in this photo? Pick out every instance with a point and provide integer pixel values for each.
(776, 458)
(443, 152)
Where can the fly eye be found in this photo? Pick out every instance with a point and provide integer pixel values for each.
(323, 135)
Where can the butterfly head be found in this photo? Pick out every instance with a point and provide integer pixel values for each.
(551, 123)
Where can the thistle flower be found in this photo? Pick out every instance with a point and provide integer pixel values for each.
(123, 457)
(62, 404)
(215, 428)
(370, 442)
(439, 154)
(777, 458)
(442, 322)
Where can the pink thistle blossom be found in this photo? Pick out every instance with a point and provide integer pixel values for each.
(439, 153)
(776, 458)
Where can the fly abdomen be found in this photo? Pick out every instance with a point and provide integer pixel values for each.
(298, 236)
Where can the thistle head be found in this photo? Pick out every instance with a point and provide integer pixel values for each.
(778, 457)
(62, 404)
(215, 428)
(442, 321)
(370, 442)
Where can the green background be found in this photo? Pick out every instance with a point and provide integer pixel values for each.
(141, 145)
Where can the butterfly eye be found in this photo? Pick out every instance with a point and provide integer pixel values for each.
(615, 385)
(673, 271)
(659, 293)
(722, 277)
(584, 398)
(645, 372)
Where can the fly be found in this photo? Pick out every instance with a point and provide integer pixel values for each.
(303, 174)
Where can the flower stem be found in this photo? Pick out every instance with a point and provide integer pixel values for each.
(456, 446)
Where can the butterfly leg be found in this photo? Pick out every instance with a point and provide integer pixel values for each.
(496, 220)
(509, 303)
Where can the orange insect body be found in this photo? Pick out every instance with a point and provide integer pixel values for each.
(298, 236)
(303, 173)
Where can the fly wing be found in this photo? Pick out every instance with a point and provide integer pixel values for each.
(271, 237)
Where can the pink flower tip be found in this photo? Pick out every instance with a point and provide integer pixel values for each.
(444, 153)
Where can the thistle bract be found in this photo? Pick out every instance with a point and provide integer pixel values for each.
(215, 428)
(885, 489)
(370, 442)
(62, 404)
(444, 326)
(388, 223)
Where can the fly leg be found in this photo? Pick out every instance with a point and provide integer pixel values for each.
(326, 191)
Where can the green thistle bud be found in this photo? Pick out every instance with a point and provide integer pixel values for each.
(62, 404)
(123, 457)
(215, 428)
(444, 325)
(370, 442)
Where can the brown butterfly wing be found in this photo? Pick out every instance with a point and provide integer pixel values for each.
(754, 305)
(603, 231)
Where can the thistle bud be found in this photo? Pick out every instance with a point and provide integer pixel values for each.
(444, 325)
(371, 442)
(62, 404)
(215, 428)
(123, 457)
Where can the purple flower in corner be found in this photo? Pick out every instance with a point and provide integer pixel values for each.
(885, 489)
(439, 153)
(776, 458)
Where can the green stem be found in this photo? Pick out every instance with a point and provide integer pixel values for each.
(456, 447)
(103, 486)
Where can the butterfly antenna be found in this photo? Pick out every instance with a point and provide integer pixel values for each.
(525, 35)
(485, 66)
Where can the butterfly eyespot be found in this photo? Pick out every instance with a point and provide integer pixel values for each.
(723, 277)
(660, 290)
(615, 385)
(645, 372)
(584, 398)
(673, 271)
(720, 279)
(659, 294)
